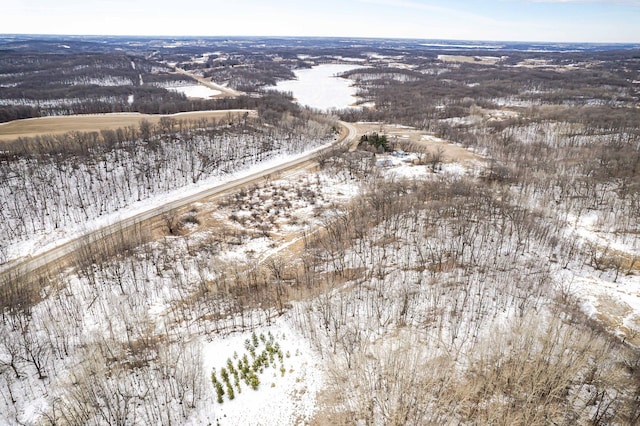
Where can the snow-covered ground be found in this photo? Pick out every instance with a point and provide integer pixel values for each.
(304, 215)
(617, 304)
(586, 227)
(610, 297)
(403, 168)
(282, 398)
(196, 91)
(318, 87)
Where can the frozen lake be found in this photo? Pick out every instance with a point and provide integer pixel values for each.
(319, 87)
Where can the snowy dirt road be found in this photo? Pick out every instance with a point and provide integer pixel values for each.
(61, 253)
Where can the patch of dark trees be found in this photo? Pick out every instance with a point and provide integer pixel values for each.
(379, 142)
(35, 85)
(253, 76)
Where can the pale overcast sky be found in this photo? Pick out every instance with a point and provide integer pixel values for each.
(513, 20)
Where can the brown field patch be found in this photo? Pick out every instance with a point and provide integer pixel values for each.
(483, 60)
(95, 122)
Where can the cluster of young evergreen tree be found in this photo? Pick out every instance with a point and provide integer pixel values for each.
(246, 371)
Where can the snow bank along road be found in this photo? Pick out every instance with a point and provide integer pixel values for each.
(23, 267)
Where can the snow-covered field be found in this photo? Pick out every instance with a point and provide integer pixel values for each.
(319, 87)
(197, 91)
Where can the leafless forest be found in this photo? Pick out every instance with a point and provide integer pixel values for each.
(456, 294)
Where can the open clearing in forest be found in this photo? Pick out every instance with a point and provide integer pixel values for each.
(410, 137)
(95, 122)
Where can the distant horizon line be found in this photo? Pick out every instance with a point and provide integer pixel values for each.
(168, 36)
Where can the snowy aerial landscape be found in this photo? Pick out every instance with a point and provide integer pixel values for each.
(347, 232)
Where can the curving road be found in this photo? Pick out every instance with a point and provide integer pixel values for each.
(24, 266)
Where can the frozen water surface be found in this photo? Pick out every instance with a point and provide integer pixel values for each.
(319, 87)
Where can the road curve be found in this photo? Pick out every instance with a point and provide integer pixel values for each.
(24, 266)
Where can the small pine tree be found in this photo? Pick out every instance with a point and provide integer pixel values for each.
(254, 382)
(230, 366)
(219, 392)
(243, 368)
(227, 382)
(265, 359)
(256, 364)
(230, 393)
